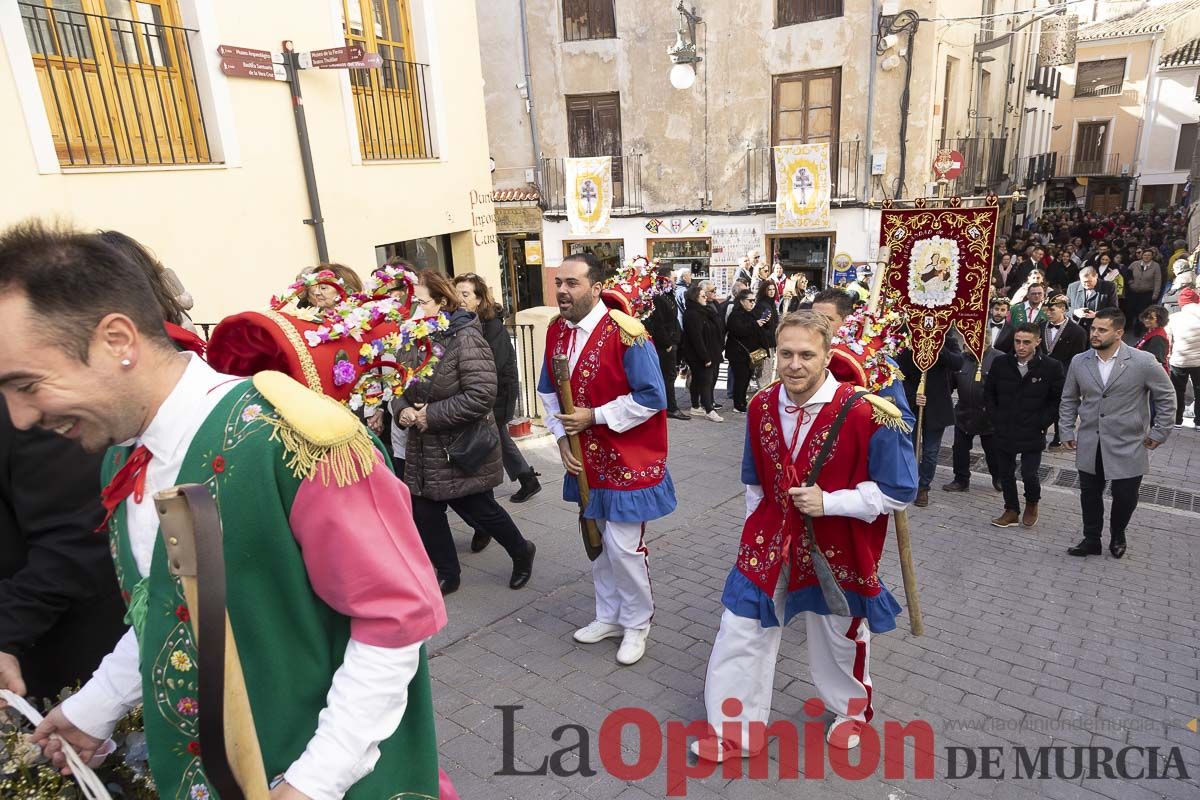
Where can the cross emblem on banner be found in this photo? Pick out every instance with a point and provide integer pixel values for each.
(588, 194)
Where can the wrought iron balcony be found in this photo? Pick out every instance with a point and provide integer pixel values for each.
(1072, 164)
(626, 177)
(845, 172)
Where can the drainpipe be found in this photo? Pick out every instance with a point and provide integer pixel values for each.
(533, 132)
(873, 62)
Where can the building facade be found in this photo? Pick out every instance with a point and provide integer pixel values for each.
(1173, 118)
(693, 167)
(1102, 136)
(125, 116)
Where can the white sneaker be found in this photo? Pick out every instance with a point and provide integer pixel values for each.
(843, 738)
(596, 630)
(633, 646)
(715, 748)
(697, 412)
(713, 416)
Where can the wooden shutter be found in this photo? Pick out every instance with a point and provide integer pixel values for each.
(594, 128)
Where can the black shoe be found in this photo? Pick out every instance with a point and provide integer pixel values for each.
(717, 406)
(479, 541)
(677, 414)
(956, 486)
(529, 486)
(1085, 548)
(1117, 549)
(449, 585)
(523, 567)
(999, 487)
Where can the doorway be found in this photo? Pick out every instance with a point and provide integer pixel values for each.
(807, 255)
(1106, 198)
(521, 282)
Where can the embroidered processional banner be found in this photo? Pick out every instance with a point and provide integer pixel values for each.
(589, 188)
(802, 186)
(937, 274)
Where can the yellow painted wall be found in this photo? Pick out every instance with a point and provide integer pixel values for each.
(235, 234)
(1125, 109)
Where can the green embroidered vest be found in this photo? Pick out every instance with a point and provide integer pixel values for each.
(289, 640)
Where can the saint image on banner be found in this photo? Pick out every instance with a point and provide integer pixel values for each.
(589, 191)
(933, 272)
(937, 274)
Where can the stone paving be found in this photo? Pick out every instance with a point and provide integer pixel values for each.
(1024, 645)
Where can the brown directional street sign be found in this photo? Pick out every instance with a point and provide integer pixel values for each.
(246, 68)
(336, 56)
(369, 61)
(248, 53)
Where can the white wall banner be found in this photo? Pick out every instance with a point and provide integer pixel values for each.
(802, 186)
(589, 189)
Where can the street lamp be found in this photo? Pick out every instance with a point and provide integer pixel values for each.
(683, 52)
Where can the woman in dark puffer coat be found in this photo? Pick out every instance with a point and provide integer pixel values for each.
(437, 411)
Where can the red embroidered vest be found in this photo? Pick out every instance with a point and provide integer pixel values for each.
(776, 530)
(634, 459)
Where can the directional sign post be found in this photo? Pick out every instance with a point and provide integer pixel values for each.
(332, 57)
(245, 68)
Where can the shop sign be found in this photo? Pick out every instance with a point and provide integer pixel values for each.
(533, 252)
(518, 219)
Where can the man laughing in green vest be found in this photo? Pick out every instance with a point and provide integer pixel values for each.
(329, 592)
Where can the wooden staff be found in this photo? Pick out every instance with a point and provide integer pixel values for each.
(179, 509)
(593, 543)
(916, 621)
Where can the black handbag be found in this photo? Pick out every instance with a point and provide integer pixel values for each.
(472, 446)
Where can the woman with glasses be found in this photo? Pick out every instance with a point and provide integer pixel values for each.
(448, 415)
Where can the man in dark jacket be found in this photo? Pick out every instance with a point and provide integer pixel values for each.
(970, 420)
(1022, 391)
(60, 609)
(1062, 340)
(667, 333)
(939, 408)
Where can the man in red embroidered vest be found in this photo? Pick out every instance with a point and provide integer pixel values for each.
(869, 472)
(620, 417)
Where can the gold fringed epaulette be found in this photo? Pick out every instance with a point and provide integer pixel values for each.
(632, 330)
(885, 413)
(321, 436)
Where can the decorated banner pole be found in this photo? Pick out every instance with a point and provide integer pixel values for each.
(908, 572)
(590, 529)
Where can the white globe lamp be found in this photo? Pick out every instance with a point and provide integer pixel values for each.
(683, 76)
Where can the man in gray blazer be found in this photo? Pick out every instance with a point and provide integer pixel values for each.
(1110, 389)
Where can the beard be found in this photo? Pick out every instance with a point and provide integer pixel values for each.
(579, 309)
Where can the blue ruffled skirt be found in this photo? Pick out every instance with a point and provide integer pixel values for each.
(634, 505)
(745, 599)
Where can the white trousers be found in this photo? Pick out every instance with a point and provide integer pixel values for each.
(621, 575)
(742, 664)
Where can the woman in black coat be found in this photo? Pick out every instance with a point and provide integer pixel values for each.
(702, 340)
(744, 333)
(766, 310)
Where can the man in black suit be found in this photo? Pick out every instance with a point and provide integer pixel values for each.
(60, 609)
(1022, 391)
(665, 330)
(1062, 340)
(939, 408)
(1089, 294)
(999, 332)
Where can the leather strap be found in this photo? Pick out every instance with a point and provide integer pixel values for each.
(210, 647)
(835, 598)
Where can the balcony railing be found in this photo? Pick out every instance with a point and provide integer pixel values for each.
(626, 177)
(984, 168)
(117, 91)
(1034, 170)
(845, 165)
(391, 107)
(1071, 165)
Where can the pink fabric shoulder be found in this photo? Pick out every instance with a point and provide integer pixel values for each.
(365, 558)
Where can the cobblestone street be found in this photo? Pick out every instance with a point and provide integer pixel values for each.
(1024, 645)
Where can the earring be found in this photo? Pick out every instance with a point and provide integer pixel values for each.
(125, 362)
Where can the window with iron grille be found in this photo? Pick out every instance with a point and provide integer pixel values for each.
(391, 103)
(1099, 78)
(594, 129)
(118, 82)
(987, 25)
(588, 19)
(795, 12)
